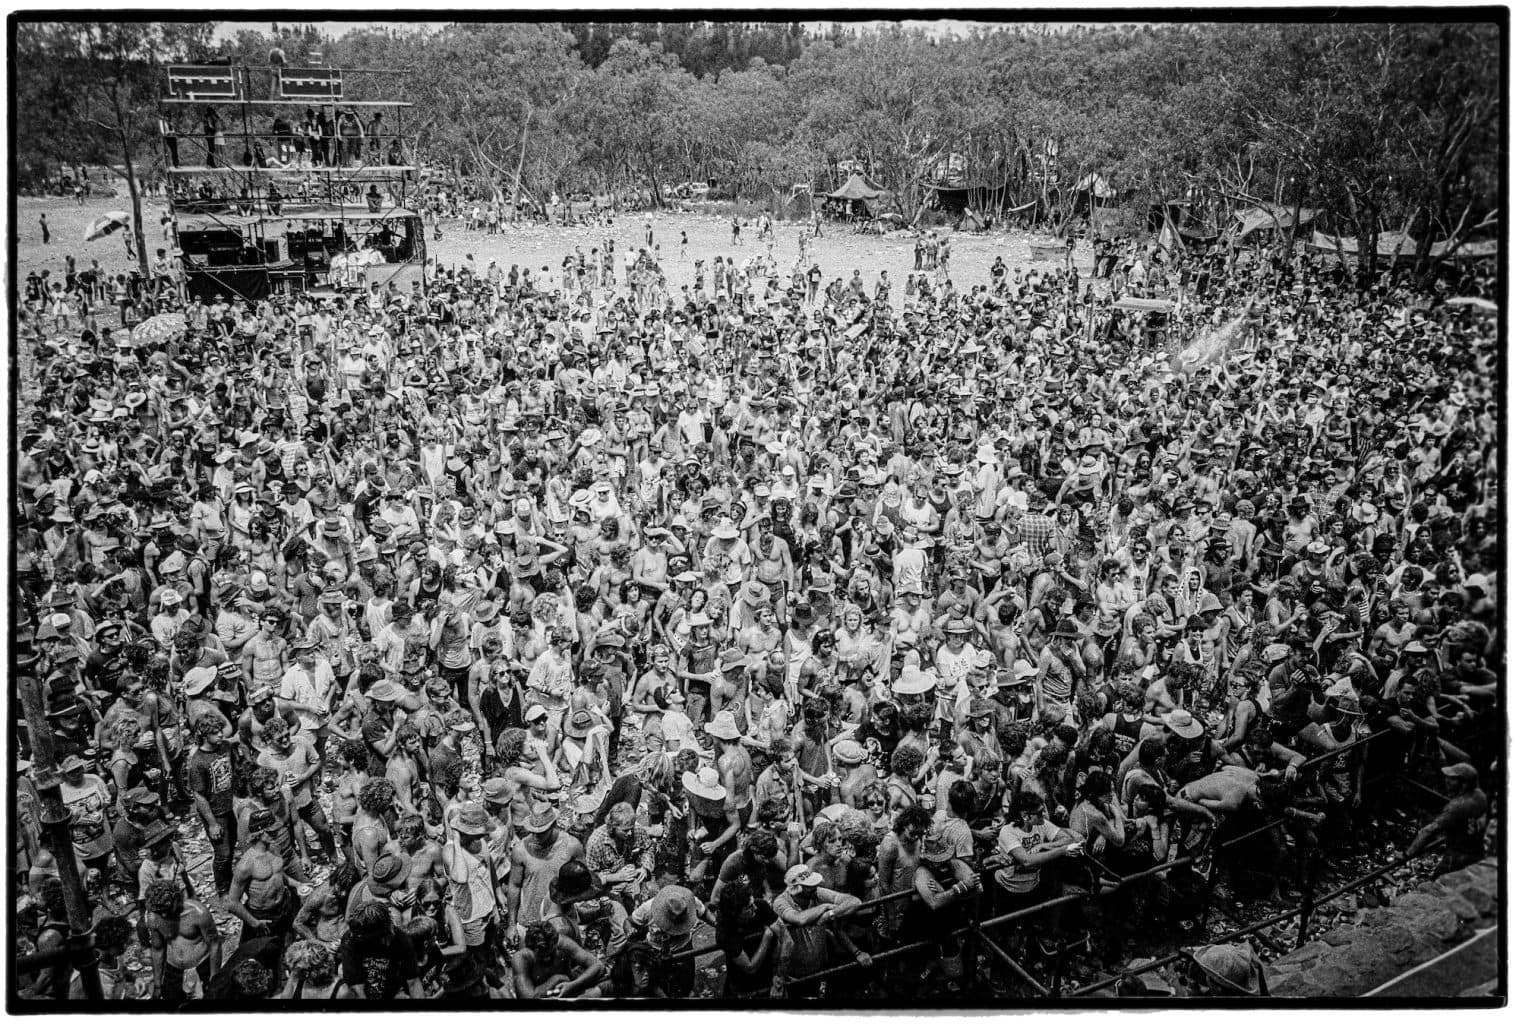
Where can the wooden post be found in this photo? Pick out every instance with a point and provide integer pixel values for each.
(55, 818)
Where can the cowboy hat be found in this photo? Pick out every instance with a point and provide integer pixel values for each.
(157, 833)
(472, 820)
(391, 870)
(385, 691)
(672, 910)
(580, 724)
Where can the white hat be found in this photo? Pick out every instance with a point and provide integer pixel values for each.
(912, 682)
(704, 783)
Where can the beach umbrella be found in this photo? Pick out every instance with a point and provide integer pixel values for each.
(158, 328)
(106, 223)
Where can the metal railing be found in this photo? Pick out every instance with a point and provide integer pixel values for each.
(1107, 889)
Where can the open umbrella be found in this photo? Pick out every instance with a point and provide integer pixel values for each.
(113, 220)
(158, 328)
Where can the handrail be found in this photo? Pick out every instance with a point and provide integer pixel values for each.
(1062, 900)
(1104, 892)
(1265, 923)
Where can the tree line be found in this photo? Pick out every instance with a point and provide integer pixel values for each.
(1379, 126)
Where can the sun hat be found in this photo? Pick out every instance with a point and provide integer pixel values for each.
(540, 821)
(722, 727)
(198, 679)
(704, 783)
(912, 682)
(725, 530)
(1181, 722)
(850, 752)
(672, 910)
(384, 690)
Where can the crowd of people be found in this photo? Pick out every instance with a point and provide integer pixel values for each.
(539, 635)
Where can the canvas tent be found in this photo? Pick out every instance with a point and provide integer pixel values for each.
(1400, 245)
(854, 197)
(855, 189)
(1272, 218)
(1098, 186)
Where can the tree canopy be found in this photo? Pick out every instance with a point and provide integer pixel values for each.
(1380, 126)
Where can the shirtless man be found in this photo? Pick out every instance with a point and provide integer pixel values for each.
(772, 564)
(262, 895)
(185, 943)
(403, 767)
(373, 823)
(730, 688)
(352, 756)
(735, 771)
(553, 966)
(768, 711)
(659, 677)
(529, 767)
(426, 853)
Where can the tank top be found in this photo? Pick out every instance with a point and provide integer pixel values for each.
(538, 873)
(1126, 732)
(1057, 682)
(475, 898)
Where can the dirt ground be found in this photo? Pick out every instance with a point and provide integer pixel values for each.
(838, 253)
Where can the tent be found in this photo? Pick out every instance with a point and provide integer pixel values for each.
(1400, 245)
(855, 188)
(1272, 217)
(1098, 186)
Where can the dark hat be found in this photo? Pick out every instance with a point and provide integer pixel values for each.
(575, 882)
(141, 796)
(159, 831)
(391, 870)
(472, 820)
